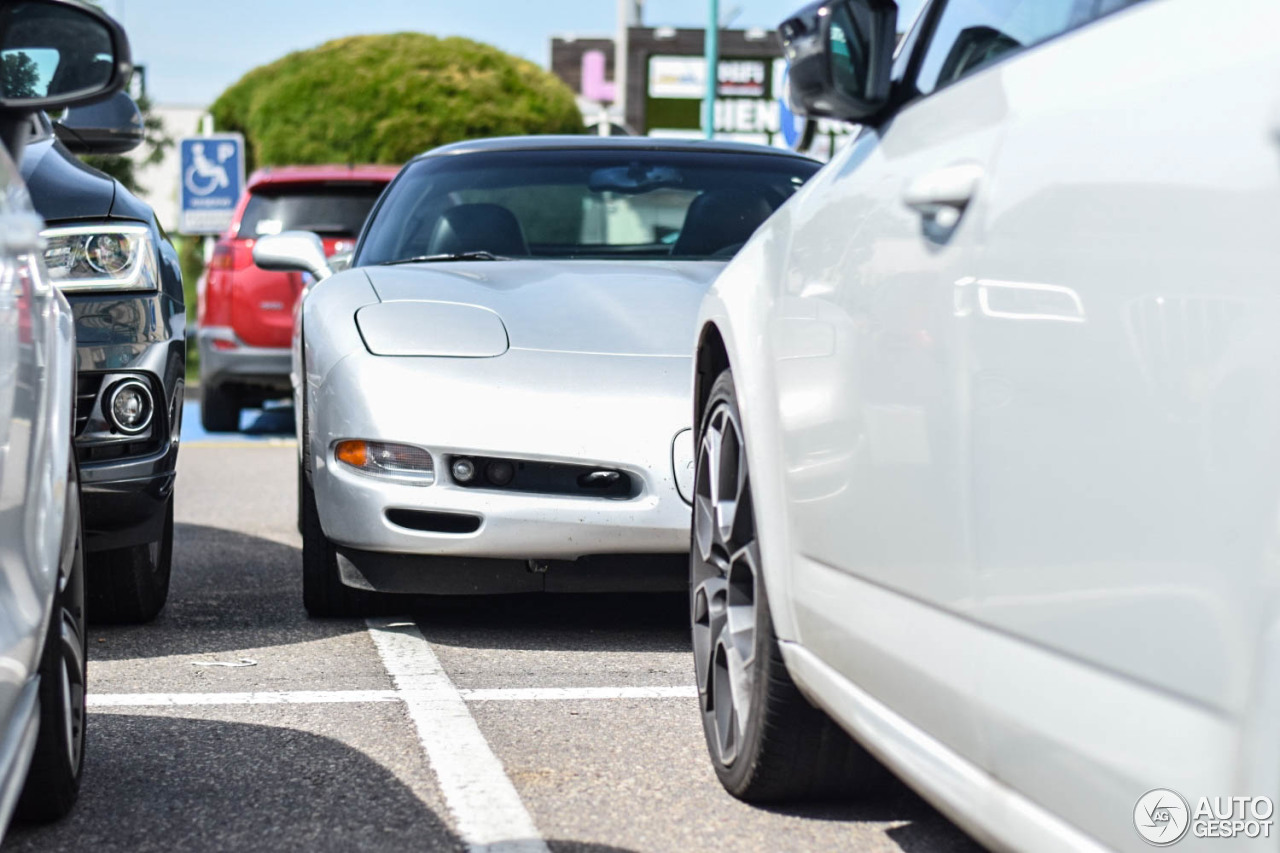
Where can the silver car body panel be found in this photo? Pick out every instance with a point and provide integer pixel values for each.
(597, 373)
(37, 369)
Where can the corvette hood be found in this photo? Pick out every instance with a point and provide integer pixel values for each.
(613, 307)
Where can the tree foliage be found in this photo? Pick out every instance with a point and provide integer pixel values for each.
(384, 99)
(20, 75)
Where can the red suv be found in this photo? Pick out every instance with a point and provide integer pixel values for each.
(246, 314)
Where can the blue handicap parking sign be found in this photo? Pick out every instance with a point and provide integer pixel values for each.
(212, 180)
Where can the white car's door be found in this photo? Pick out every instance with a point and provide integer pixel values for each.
(867, 363)
(1125, 372)
(876, 375)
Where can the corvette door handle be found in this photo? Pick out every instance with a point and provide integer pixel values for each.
(941, 196)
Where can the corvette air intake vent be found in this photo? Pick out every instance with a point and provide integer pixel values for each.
(547, 478)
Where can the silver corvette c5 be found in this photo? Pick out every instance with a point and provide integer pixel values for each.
(496, 396)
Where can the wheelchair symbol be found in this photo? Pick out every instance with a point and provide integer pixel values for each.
(204, 176)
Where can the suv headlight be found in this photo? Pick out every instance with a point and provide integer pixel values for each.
(101, 257)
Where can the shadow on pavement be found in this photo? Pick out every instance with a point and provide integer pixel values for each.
(646, 622)
(229, 591)
(269, 420)
(161, 783)
(923, 829)
(233, 591)
(168, 783)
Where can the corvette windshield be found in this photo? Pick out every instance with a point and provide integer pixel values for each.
(584, 203)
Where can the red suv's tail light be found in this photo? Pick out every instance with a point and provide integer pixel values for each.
(224, 258)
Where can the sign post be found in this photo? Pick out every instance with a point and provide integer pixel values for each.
(713, 68)
(212, 180)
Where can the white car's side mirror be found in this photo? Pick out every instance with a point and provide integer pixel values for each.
(292, 251)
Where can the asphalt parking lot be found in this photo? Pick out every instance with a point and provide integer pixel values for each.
(236, 723)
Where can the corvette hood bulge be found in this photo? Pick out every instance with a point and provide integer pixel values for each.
(607, 307)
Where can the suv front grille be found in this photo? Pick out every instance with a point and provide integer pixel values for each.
(87, 387)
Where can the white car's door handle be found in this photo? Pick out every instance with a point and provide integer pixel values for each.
(942, 195)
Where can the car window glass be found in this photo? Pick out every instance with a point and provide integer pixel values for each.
(634, 204)
(972, 34)
(911, 22)
(848, 54)
(330, 211)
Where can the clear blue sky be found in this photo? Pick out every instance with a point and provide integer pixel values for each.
(194, 50)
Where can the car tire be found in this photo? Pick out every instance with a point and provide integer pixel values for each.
(323, 592)
(304, 460)
(129, 586)
(767, 743)
(219, 409)
(53, 780)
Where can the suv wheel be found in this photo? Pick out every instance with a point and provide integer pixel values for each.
(767, 742)
(131, 585)
(53, 781)
(219, 409)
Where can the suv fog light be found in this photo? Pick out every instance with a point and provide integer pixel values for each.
(464, 470)
(129, 407)
(402, 463)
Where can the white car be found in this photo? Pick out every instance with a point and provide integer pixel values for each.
(989, 428)
(494, 398)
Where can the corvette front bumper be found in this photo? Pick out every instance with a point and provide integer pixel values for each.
(619, 412)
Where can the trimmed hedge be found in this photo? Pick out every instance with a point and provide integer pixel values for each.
(384, 99)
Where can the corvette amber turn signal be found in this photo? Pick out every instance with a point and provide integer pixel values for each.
(354, 453)
(402, 463)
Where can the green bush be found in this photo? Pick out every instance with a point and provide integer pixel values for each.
(384, 99)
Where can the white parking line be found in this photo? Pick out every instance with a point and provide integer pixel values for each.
(530, 694)
(488, 814)
(334, 697)
(294, 697)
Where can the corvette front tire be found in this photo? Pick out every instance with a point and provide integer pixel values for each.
(323, 593)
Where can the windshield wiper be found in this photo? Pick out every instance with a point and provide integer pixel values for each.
(455, 256)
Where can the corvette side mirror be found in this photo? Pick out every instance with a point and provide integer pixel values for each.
(292, 251)
(341, 261)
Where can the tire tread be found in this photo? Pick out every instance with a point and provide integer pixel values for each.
(125, 587)
(793, 750)
(52, 786)
(219, 409)
(323, 592)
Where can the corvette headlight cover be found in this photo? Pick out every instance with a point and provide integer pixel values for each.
(101, 257)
